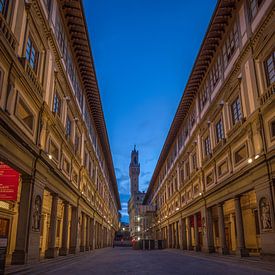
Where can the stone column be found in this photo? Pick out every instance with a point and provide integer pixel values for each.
(92, 233)
(82, 238)
(51, 252)
(196, 233)
(26, 233)
(241, 249)
(74, 234)
(222, 238)
(180, 234)
(64, 248)
(184, 236)
(168, 236)
(189, 236)
(88, 221)
(209, 231)
(177, 235)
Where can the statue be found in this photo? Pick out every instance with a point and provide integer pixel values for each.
(37, 213)
(265, 214)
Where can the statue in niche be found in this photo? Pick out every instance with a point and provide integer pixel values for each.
(37, 213)
(265, 214)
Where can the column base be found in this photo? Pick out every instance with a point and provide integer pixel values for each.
(210, 249)
(19, 257)
(242, 252)
(82, 248)
(73, 250)
(224, 251)
(51, 252)
(63, 251)
(197, 248)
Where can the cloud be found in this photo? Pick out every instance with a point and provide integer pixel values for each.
(143, 174)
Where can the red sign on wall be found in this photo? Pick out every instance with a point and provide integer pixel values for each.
(9, 179)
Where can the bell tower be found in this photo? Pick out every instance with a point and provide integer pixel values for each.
(134, 170)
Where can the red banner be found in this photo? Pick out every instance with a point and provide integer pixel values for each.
(9, 179)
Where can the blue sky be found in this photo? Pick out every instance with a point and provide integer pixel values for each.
(143, 51)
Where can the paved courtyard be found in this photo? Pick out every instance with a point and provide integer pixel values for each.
(158, 262)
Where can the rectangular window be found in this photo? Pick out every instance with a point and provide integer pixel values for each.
(204, 94)
(193, 118)
(272, 129)
(4, 5)
(254, 6)
(1, 81)
(24, 114)
(194, 161)
(236, 111)
(68, 127)
(31, 54)
(214, 74)
(240, 155)
(270, 69)
(53, 150)
(182, 175)
(230, 44)
(207, 146)
(219, 131)
(57, 104)
(187, 169)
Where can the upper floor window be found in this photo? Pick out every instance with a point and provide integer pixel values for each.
(193, 118)
(194, 161)
(254, 6)
(32, 54)
(57, 104)
(214, 74)
(204, 94)
(53, 150)
(270, 69)
(272, 129)
(1, 80)
(219, 131)
(4, 4)
(207, 146)
(236, 111)
(230, 44)
(68, 127)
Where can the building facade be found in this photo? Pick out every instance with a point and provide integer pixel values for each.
(52, 134)
(213, 185)
(136, 198)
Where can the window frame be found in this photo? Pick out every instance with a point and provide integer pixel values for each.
(267, 80)
(59, 114)
(270, 122)
(234, 120)
(219, 137)
(36, 57)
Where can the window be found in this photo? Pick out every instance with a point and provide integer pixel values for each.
(222, 168)
(214, 74)
(219, 131)
(270, 69)
(193, 118)
(187, 169)
(194, 161)
(4, 4)
(236, 111)
(1, 81)
(24, 114)
(31, 54)
(241, 154)
(182, 175)
(230, 44)
(254, 6)
(68, 127)
(272, 129)
(53, 150)
(207, 146)
(57, 104)
(75, 177)
(204, 94)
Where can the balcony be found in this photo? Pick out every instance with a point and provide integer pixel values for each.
(7, 33)
(268, 94)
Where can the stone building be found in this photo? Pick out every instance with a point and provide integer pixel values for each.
(214, 181)
(52, 134)
(136, 198)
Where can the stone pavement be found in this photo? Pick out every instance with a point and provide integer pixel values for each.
(121, 260)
